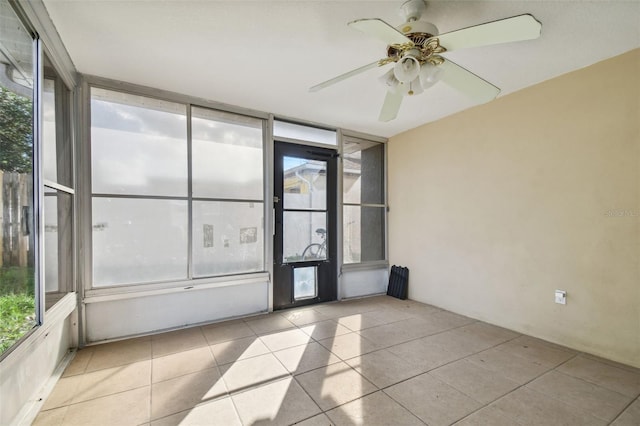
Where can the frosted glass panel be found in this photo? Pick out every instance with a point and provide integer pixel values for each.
(304, 236)
(304, 133)
(49, 131)
(364, 238)
(51, 242)
(58, 237)
(305, 283)
(227, 155)
(305, 184)
(227, 238)
(138, 240)
(138, 145)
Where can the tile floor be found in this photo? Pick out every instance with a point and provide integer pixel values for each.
(373, 361)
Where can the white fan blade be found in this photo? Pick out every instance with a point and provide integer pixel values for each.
(522, 27)
(479, 90)
(381, 30)
(344, 76)
(390, 107)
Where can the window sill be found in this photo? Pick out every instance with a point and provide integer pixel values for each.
(143, 290)
(365, 266)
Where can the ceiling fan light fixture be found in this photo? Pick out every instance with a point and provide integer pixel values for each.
(406, 69)
(390, 81)
(429, 75)
(414, 87)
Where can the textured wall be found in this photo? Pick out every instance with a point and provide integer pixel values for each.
(494, 208)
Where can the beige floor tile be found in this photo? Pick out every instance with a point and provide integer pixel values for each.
(225, 331)
(396, 332)
(528, 407)
(459, 343)
(349, 345)
(63, 392)
(357, 322)
(421, 310)
(281, 402)
(625, 367)
(383, 368)
(113, 380)
(432, 400)
(487, 416)
(300, 359)
(279, 340)
(54, 417)
(374, 409)
(448, 320)
(630, 416)
(177, 341)
(268, 323)
(185, 392)
(79, 363)
(390, 315)
(236, 350)
(518, 369)
(181, 363)
(592, 399)
(319, 420)
(480, 384)
(305, 316)
(341, 309)
(423, 353)
(487, 335)
(120, 353)
(220, 412)
(535, 350)
(607, 376)
(122, 409)
(325, 329)
(334, 385)
(256, 371)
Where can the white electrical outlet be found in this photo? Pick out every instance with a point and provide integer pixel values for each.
(561, 297)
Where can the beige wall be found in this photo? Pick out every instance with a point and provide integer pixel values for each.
(494, 208)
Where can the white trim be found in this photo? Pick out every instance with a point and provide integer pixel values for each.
(140, 90)
(58, 187)
(38, 16)
(269, 208)
(130, 292)
(364, 266)
(30, 410)
(364, 136)
(305, 142)
(57, 313)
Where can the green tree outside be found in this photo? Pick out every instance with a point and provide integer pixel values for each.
(17, 289)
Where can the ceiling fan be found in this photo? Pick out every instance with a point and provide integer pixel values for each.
(415, 48)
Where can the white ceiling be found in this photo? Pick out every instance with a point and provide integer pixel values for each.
(264, 55)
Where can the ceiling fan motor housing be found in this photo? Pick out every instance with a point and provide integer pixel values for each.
(417, 31)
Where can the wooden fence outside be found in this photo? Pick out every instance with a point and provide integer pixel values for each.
(16, 222)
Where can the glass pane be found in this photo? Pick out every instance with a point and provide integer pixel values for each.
(58, 256)
(17, 248)
(304, 133)
(363, 234)
(305, 184)
(363, 172)
(49, 130)
(227, 155)
(305, 236)
(305, 285)
(137, 241)
(138, 145)
(227, 238)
